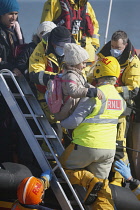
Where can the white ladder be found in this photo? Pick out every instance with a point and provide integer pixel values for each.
(47, 134)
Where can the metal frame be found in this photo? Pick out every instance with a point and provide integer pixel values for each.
(47, 133)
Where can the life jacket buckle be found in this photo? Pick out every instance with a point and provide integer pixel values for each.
(76, 26)
(83, 41)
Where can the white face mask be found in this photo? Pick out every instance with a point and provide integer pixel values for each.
(115, 52)
(59, 50)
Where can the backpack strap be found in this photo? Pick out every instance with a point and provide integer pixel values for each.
(64, 80)
(71, 81)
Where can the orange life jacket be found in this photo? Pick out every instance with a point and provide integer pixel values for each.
(75, 20)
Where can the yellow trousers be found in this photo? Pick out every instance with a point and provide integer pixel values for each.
(121, 153)
(87, 179)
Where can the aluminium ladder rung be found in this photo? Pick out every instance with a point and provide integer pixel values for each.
(44, 128)
(18, 95)
(39, 137)
(29, 116)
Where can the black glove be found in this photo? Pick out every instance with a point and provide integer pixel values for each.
(92, 92)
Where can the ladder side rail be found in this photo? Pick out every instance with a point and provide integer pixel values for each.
(26, 130)
(43, 121)
(38, 124)
(33, 143)
(35, 107)
(46, 140)
(19, 116)
(31, 111)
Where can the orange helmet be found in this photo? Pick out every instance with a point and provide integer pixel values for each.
(30, 191)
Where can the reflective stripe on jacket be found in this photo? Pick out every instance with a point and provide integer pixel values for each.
(41, 64)
(99, 129)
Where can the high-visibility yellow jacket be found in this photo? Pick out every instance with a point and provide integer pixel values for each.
(39, 60)
(99, 128)
(52, 10)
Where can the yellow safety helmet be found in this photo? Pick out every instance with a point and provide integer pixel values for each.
(107, 66)
(30, 191)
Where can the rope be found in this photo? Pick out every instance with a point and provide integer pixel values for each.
(127, 148)
(68, 135)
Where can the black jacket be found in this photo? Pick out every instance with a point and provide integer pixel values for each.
(22, 61)
(6, 49)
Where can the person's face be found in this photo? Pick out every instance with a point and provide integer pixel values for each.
(118, 45)
(81, 66)
(9, 19)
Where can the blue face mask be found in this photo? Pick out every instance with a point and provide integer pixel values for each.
(115, 52)
(59, 50)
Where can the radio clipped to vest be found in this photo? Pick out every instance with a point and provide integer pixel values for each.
(76, 26)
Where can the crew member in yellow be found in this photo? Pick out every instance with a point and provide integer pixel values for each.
(88, 159)
(45, 62)
(79, 18)
(127, 85)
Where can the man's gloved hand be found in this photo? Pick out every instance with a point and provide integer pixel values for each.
(99, 94)
(123, 169)
(47, 174)
(46, 177)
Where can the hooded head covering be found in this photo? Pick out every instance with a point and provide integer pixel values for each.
(60, 35)
(7, 6)
(45, 27)
(74, 54)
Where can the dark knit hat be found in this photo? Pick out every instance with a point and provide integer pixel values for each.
(7, 6)
(60, 35)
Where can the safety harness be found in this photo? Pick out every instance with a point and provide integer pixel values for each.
(75, 20)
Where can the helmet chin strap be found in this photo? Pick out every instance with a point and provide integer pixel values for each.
(35, 207)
